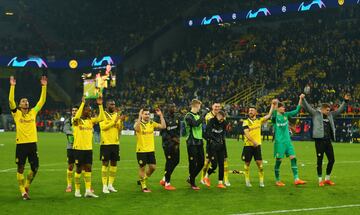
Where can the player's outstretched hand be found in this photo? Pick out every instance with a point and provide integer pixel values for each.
(274, 101)
(302, 96)
(43, 80)
(12, 81)
(158, 112)
(141, 112)
(99, 100)
(83, 99)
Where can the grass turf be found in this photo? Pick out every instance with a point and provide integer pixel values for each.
(48, 196)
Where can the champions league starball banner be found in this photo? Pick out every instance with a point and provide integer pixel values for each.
(95, 63)
(300, 7)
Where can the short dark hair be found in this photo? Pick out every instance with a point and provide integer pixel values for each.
(75, 106)
(281, 104)
(146, 109)
(325, 105)
(110, 100)
(253, 106)
(222, 113)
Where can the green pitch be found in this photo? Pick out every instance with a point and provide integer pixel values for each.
(48, 196)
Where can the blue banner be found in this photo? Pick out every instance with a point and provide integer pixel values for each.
(38, 62)
(313, 5)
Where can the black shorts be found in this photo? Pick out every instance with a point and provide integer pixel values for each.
(249, 152)
(208, 151)
(27, 151)
(144, 158)
(70, 156)
(109, 153)
(83, 157)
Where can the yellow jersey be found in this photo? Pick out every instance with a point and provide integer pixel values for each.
(209, 116)
(109, 130)
(83, 129)
(145, 137)
(254, 127)
(26, 131)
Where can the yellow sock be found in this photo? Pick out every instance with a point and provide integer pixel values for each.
(261, 174)
(29, 179)
(87, 176)
(77, 181)
(204, 169)
(21, 181)
(226, 171)
(143, 182)
(69, 176)
(247, 173)
(112, 174)
(104, 175)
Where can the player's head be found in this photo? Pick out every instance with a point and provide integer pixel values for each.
(145, 114)
(216, 107)
(325, 109)
(281, 107)
(172, 108)
(252, 112)
(110, 105)
(74, 109)
(24, 103)
(86, 111)
(195, 105)
(220, 116)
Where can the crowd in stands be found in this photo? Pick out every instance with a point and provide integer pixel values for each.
(232, 62)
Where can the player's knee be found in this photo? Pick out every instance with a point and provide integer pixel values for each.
(71, 167)
(105, 163)
(152, 168)
(34, 167)
(20, 169)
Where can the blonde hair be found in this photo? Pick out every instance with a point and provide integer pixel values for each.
(195, 102)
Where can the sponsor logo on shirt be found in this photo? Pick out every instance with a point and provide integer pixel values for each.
(282, 124)
(26, 120)
(85, 128)
(217, 131)
(172, 127)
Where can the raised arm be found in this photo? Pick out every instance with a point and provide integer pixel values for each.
(307, 106)
(80, 110)
(269, 115)
(138, 121)
(162, 120)
(101, 116)
(42, 99)
(294, 112)
(12, 103)
(297, 110)
(342, 106)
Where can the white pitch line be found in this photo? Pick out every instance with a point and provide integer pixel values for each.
(301, 210)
